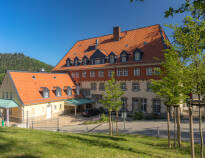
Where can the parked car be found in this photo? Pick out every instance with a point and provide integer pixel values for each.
(91, 112)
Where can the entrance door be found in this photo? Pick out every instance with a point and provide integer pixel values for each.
(48, 112)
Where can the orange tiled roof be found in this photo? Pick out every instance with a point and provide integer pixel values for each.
(28, 87)
(130, 40)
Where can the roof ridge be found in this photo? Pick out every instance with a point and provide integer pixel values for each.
(121, 32)
(36, 72)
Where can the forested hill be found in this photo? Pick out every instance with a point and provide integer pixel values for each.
(18, 61)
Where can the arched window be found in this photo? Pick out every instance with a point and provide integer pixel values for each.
(69, 91)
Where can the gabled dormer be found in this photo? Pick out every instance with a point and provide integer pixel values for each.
(76, 61)
(112, 58)
(44, 92)
(137, 55)
(57, 91)
(98, 57)
(85, 60)
(124, 56)
(68, 62)
(68, 90)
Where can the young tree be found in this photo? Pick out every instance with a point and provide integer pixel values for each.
(170, 86)
(112, 99)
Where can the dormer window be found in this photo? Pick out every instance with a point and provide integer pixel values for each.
(58, 91)
(68, 62)
(137, 55)
(124, 57)
(85, 60)
(76, 61)
(112, 59)
(45, 92)
(69, 91)
(77, 90)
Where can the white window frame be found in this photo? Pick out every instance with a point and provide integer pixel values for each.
(92, 73)
(123, 86)
(137, 56)
(135, 86)
(110, 73)
(149, 71)
(100, 73)
(136, 71)
(112, 59)
(84, 74)
(97, 61)
(69, 91)
(156, 107)
(122, 72)
(143, 107)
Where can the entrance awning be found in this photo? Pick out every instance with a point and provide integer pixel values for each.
(7, 103)
(80, 101)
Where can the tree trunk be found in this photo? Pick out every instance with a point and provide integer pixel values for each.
(178, 127)
(191, 131)
(168, 126)
(200, 129)
(110, 123)
(116, 122)
(174, 126)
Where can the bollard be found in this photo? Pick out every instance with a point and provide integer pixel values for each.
(157, 132)
(32, 124)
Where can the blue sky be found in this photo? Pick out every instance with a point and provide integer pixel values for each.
(47, 29)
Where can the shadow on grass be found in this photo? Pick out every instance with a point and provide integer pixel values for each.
(23, 156)
(114, 138)
(105, 144)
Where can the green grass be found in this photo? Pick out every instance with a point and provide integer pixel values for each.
(23, 143)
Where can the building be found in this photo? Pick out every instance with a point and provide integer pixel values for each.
(37, 96)
(133, 55)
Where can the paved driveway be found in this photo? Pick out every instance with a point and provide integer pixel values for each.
(149, 128)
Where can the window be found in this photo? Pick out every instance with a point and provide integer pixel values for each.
(149, 87)
(7, 95)
(92, 73)
(46, 93)
(68, 62)
(149, 71)
(124, 58)
(85, 61)
(101, 87)
(137, 56)
(73, 74)
(60, 106)
(85, 92)
(124, 102)
(84, 74)
(136, 71)
(143, 105)
(69, 91)
(58, 92)
(77, 90)
(123, 86)
(77, 74)
(135, 86)
(93, 86)
(122, 72)
(110, 73)
(76, 63)
(55, 107)
(11, 95)
(97, 61)
(101, 73)
(156, 106)
(134, 104)
(112, 59)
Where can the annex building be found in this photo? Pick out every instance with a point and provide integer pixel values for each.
(80, 77)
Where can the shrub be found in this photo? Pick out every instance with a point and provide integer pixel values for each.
(104, 118)
(138, 116)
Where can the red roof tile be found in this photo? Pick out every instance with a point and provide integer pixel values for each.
(28, 85)
(130, 40)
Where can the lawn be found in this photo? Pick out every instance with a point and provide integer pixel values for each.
(23, 143)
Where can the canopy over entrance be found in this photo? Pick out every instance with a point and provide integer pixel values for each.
(77, 102)
(7, 103)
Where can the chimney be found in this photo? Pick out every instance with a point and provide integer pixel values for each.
(116, 33)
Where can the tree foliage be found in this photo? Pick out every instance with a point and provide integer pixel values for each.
(18, 61)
